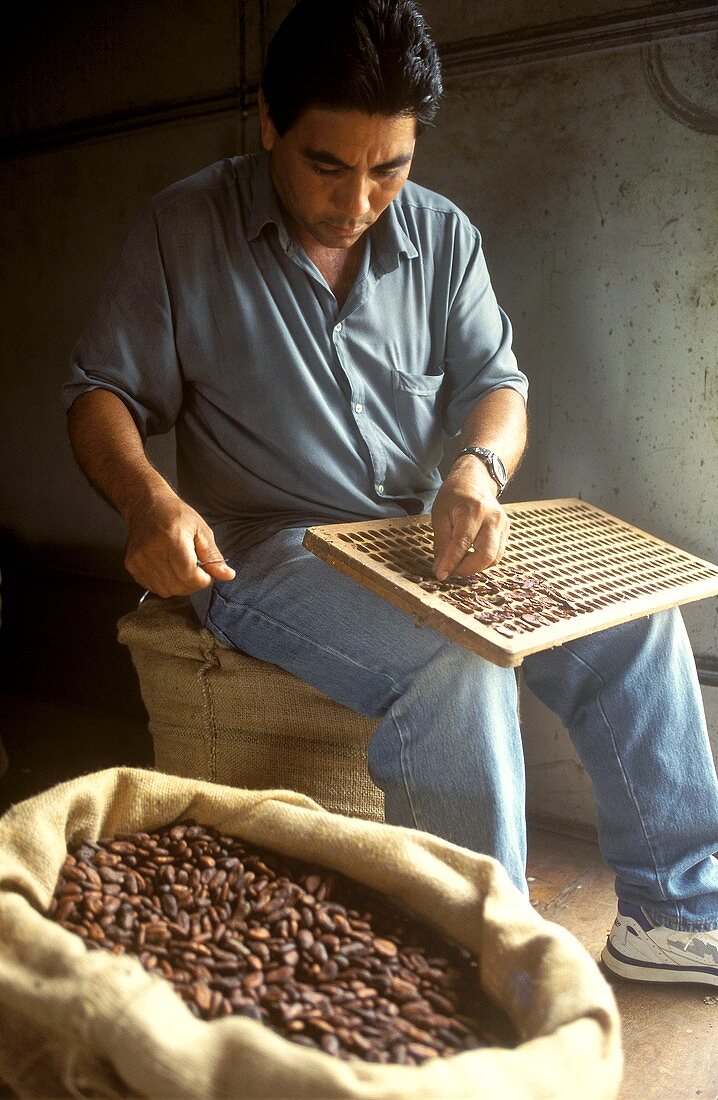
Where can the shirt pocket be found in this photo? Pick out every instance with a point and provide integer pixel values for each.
(418, 415)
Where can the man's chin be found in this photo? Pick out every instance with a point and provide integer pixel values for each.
(335, 237)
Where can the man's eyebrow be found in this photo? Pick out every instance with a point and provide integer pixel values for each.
(323, 156)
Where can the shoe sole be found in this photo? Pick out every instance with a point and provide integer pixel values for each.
(638, 971)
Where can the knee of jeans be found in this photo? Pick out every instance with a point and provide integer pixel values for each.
(652, 642)
(464, 674)
(627, 654)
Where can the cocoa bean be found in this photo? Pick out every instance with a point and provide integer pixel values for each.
(324, 961)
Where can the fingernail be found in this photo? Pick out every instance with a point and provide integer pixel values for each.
(442, 575)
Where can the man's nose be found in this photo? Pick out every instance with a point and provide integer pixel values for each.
(352, 197)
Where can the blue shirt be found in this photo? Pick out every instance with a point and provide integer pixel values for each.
(288, 409)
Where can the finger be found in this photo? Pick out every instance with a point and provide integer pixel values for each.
(167, 562)
(218, 570)
(469, 566)
(209, 558)
(153, 582)
(459, 545)
(489, 545)
(503, 541)
(181, 560)
(151, 572)
(441, 529)
(169, 577)
(172, 570)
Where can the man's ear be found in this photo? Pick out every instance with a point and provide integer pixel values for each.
(269, 134)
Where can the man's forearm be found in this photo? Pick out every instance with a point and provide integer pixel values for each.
(499, 423)
(170, 549)
(109, 450)
(470, 526)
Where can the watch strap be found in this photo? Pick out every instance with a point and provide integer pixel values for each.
(491, 461)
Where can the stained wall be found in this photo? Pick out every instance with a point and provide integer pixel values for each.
(580, 137)
(595, 188)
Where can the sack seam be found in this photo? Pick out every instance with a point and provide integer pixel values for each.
(208, 648)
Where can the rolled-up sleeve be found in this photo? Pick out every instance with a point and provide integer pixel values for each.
(128, 346)
(478, 355)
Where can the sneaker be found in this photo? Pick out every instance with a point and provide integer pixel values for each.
(638, 948)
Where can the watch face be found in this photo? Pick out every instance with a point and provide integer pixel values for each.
(492, 462)
(499, 468)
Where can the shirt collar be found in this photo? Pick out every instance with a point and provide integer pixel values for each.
(390, 240)
(264, 207)
(389, 237)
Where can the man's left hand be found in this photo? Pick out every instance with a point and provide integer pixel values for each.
(470, 526)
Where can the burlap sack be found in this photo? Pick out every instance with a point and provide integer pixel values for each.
(221, 715)
(81, 1023)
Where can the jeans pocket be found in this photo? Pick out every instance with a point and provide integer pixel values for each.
(255, 564)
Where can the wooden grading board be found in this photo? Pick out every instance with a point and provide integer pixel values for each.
(569, 570)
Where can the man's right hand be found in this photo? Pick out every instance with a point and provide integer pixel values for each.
(166, 542)
(167, 539)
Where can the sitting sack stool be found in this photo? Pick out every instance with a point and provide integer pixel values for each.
(219, 715)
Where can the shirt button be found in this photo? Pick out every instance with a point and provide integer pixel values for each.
(338, 327)
(358, 408)
(380, 489)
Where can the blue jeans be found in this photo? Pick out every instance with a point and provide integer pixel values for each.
(448, 752)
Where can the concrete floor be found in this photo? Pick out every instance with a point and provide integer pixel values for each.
(670, 1033)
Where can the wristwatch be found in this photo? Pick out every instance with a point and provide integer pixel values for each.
(492, 462)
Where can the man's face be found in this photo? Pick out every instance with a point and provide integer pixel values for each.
(336, 171)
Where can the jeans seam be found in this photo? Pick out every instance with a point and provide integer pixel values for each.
(217, 630)
(678, 925)
(404, 770)
(310, 641)
(628, 785)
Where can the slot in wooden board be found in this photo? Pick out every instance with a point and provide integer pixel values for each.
(570, 569)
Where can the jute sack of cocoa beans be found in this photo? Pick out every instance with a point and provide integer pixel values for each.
(81, 1022)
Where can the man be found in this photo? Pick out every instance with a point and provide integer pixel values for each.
(310, 323)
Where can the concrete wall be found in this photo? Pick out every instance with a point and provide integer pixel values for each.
(588, 159)
(599, 217)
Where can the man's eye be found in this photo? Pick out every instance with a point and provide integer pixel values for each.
(324, 171)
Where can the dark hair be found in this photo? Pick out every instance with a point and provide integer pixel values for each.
(374, 56)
